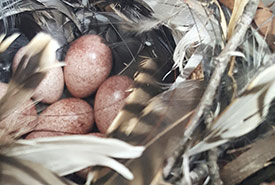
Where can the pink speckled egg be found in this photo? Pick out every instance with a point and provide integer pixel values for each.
(110, 99)
(88, 64)
(51, 87)
(39, 134)
(70, 116)
(25, 117)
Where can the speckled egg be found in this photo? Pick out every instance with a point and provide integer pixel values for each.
(110, 99)
(88, 64)
(25, 117)
(51, 87)
(40, 134)
(70, 116)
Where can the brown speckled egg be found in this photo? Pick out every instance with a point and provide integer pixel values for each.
(71, 116)
(110, 99)
(88, 64)
(51, 87)
(25, 117)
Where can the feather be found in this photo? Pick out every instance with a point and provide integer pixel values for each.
(192, 26)
(160, 129)
(147, 81)
(39, 58)
(243, 115)
(191, 23)
(38, 5)
(130, 10)
(60, 7)
(90, 151)
(4, 44)
(138, 97)
(23, 172)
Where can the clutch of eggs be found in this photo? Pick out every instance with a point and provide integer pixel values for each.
(88, 65)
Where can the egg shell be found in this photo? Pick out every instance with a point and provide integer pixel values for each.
(40, 134)
(109, 100)
(88, 64)
(51, 87)
(25, 117)
(71, 116)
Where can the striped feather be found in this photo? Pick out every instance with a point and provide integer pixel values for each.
(145, 87)
(159, 129)
(39, 58)
(154, 65)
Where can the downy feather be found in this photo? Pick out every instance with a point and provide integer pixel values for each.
(191, 24)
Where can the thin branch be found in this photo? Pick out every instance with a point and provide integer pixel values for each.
(221, 63)
(214, 170)
(197, 175)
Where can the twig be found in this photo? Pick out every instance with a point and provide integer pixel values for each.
(213, 167)
(197, 175)
(221, 63)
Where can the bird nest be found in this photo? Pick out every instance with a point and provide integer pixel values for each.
(137, 92)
